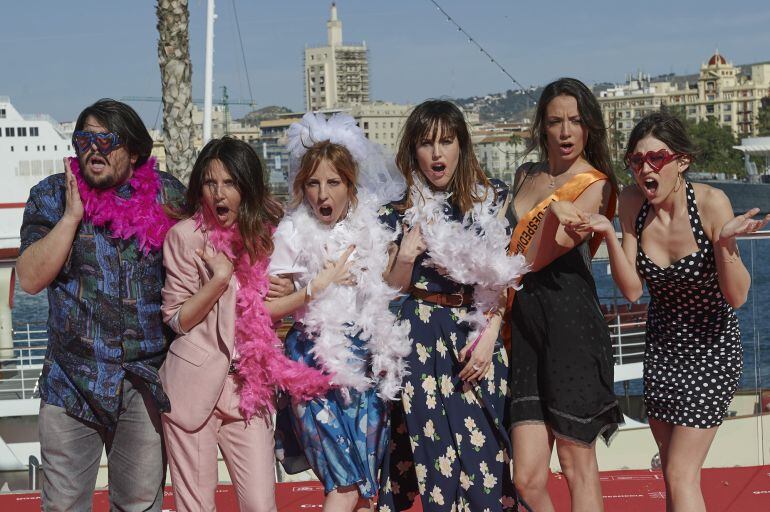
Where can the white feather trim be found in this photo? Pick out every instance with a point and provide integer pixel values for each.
(360, 310)
(472, 252)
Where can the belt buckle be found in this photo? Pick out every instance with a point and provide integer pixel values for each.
(459, 297)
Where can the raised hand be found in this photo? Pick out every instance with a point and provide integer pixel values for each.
(568, 215)
(73, 209)
(597, 223)
(218, 263)
(743, 224)
(337, 272)
(412, 244)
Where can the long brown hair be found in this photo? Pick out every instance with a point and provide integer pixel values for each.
(596, 151)
(338, 156)
(258, 211)
(429, 119)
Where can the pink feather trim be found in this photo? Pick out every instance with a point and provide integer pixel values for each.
(139, 216)
(263, 366)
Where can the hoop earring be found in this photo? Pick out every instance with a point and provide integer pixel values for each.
(679, 181)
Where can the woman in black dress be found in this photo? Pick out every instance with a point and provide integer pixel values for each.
(561, 355)
(679, 238)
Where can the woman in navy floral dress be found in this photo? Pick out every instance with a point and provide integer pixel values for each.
(448, 444)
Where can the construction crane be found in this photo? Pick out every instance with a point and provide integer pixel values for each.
(224, 102)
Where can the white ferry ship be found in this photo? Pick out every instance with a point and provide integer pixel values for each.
(31, 148)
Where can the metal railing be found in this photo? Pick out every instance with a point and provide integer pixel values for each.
(21, 364)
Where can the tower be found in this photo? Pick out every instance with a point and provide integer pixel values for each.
(337, 74)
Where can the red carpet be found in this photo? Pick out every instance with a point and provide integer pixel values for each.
(726, 490)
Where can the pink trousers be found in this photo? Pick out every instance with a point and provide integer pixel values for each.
(247, 449)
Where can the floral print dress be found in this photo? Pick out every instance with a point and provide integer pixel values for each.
(448, 445)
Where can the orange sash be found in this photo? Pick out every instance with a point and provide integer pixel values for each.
(525, 230)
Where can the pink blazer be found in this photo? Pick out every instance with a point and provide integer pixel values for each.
(197, 363)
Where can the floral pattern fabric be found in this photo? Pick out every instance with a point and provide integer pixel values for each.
(344, 434)
(448, 445)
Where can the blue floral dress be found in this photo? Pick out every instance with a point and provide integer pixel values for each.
(344, 435)
(448, 444)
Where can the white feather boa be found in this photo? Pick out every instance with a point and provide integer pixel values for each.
(360, 310)
(472, 252)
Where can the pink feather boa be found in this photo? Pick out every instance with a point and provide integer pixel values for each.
(263, 366)
(140, 216)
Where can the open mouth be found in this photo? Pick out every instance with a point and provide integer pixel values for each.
(650, 185)
(97, 162)
(325, 211)
(222, 211)
(438, 169)
(566, 148)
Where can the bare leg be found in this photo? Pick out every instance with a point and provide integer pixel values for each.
(532, 445)
(662, 431)
(364, 505)
(686, 453)
(578, 463)
(342, 499)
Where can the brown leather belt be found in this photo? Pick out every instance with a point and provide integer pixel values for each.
(452, 300)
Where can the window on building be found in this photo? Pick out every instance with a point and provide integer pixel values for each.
(22, 131)
(10, 132)
(366, 125)
(2, 113)
(26, 148)
(727, 118)
(727, 107)
(34, 131)
(709, 109)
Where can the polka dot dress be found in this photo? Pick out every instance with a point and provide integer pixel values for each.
(693, 357)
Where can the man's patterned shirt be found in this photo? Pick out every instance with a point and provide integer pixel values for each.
(104, 309)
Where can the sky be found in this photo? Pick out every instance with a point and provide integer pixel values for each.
(58, 57)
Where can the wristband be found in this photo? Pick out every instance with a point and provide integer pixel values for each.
(309, 290)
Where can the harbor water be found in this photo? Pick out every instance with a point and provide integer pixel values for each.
(754, 316)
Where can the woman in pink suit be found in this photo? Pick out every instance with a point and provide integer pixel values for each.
(224, 365)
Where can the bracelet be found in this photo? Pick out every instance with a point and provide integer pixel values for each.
(309, 290)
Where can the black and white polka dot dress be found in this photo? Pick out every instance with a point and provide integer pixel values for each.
(693, 357)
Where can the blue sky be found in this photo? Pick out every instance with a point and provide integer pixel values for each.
(60, 56)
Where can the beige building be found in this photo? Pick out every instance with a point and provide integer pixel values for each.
(337, 74)
(501, 148)
(729, 94)
(382, 122)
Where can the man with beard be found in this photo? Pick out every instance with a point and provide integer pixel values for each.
(93, 236)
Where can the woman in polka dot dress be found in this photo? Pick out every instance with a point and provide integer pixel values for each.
(679, 238)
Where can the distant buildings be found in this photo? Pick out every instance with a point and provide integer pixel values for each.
(337, 74)
(730, 95)
(500, 148)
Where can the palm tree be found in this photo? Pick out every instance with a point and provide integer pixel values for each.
(175, 73)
